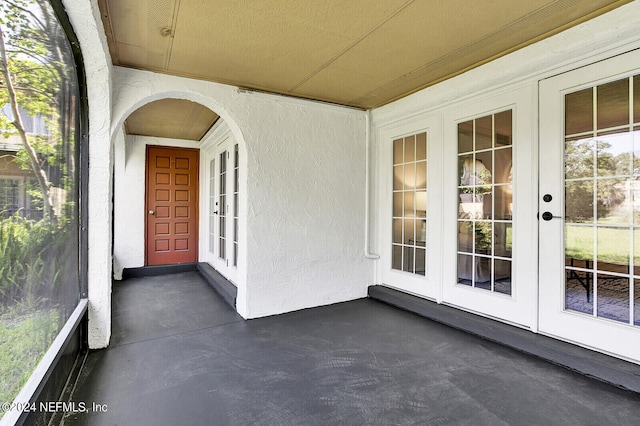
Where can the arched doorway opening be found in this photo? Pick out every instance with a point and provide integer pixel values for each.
(176, 199)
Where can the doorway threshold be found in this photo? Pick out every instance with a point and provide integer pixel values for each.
(622, 374)
(154, 271)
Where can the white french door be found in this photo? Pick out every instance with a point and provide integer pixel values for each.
(589, 226)
(489, 203)
(411, 181)
(222, 208)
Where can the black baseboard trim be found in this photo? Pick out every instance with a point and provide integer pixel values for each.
(220, 284)
(152, 271)
(619, 373)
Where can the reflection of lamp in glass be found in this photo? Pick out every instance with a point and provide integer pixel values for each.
(421, 211)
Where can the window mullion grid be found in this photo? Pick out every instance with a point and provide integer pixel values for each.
(632, 216)
(493, 177)
(474, 255)
(594, 292)
(415, 203)
(236, 204)
(403, 213)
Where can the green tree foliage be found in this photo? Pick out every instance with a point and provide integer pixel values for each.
(39, 274)
(36, 262)
(580, 158)
(37, 76)
(35, 79)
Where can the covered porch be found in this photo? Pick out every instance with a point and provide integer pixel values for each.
(180, 355)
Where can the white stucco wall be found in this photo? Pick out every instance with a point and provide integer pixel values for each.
(85, 18)
(302, 191)
(305, 206)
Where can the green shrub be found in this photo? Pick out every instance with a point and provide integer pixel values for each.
(34, 257)
(37, 265)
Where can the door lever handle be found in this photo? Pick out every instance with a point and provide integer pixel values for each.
(548, 216)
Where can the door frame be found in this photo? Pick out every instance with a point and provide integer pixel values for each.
(195, 203)
(595, 333)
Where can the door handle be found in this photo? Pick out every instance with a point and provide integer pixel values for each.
(548, 216)
(152, 212)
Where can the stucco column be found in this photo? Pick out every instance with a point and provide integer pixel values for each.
(85, 18)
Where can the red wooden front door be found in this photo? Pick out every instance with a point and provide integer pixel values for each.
(171, 205)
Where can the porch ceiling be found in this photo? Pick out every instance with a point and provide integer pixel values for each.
(171, 118)
(359, 53)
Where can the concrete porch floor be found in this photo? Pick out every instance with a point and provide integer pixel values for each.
(180, 356)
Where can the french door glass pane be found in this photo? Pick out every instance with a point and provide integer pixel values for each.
(579, 290)
(636, 99)
(409, 204)
(222, 207)
(636, 297)
(579, 112)
(613, 104)
(485, 202)
(212, 205)
(602, 201)
(236, 213)
(613, 297)
(502, 276)
(503, 128)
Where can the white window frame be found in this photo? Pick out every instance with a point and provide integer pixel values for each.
(427, 285)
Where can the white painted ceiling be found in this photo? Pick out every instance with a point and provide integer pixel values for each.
(359, 53)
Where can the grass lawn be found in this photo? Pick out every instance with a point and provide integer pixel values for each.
(613, 244)
(24, 338)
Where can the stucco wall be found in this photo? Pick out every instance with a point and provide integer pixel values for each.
(85, 18)
(302, 191)
(305, 206)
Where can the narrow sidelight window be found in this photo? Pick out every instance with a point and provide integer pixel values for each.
(212, 206)
(222, 207)
(409, 204)
(236, 215)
